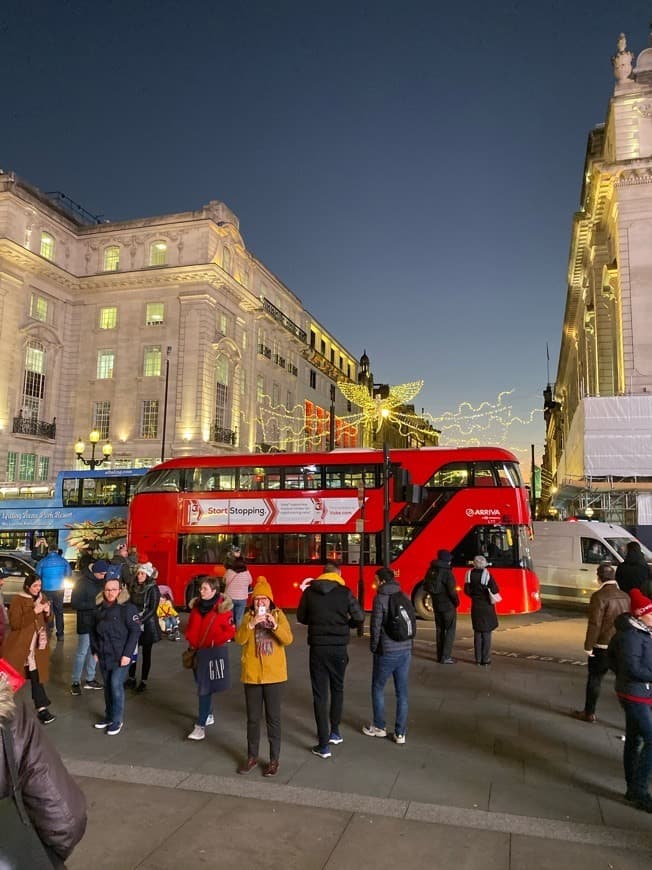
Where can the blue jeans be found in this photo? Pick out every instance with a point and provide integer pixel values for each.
(239, 607)
(83, 656)
(114, 693)
(637, 754)
(205, 709)
(396, 665)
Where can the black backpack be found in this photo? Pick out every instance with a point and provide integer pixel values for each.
(432, 582)
(401, 620)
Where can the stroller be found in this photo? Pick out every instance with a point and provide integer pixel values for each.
(168, 618)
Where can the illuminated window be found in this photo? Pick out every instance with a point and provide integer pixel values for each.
(27, 466)
(102, 419)
(221, 392)
(112, 258)
(155, 314)
(244, 340)
(260, 388)
(43, 468)
(33, 380)
(149, 419)
(223, 325)
(105, 359)
(158, 254)
(152, 362)
(108, 318)
(12, 464)
(38, 308)
(47, 246)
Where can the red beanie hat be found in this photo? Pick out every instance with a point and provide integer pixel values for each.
(640, 603)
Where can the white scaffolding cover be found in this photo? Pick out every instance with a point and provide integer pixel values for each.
(610, 437)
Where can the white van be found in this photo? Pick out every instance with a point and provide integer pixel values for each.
(565, 556)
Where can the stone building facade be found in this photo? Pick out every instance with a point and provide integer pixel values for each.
(598, 457)
(101, 321)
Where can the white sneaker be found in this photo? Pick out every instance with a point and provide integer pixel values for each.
(211, 719)
(372, 731)
(197, 733)
(399, 738)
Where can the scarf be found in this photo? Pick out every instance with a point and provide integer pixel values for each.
(205, 606)
(264, 640)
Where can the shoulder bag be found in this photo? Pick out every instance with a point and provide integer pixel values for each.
(20, 845)
(188, 656)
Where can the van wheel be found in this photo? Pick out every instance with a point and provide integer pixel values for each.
(422, 603)
(192, 591)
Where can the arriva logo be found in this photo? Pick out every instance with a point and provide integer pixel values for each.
(482, 512)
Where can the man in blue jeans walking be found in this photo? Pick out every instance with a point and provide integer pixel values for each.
(392, 658)
(52, 570)
(114, 639)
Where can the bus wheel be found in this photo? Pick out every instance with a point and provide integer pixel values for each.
(192, 591)
(422, 603)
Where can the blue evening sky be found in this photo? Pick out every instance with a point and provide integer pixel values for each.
(409, 170)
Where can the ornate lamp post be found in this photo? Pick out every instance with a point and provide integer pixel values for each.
(94, 437)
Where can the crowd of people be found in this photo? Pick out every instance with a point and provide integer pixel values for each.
(121, 614)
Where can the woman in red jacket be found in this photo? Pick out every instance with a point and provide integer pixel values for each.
(210, 627)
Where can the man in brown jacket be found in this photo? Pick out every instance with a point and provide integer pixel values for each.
(605, 605)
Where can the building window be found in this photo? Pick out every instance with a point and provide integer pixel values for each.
(221, 392)
(47, 246)
(322, 346)
(158, 254)
(260, 389)
(243, 382)
(152, 362)
(155, 314)
(112, 258)
(341, 363)
(222, 324)
(313, 338)
(33, 380)
(244, 340)
(276, 395)
(108, 318)
(313, 379)
(27, 466)
(149, 419)
(102, 419)
(12, 464)
(290, 401)
(43, 468)
(38, 308)
(105, 364)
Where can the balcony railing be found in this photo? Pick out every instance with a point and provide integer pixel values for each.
(263, 350)
(279, 360)
(220, 435)
(284, 320)
(39, 428)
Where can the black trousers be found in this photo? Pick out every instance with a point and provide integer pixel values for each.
(145, 655)
(269, 695)
(39, 695)
(598, 666)
(482, 647)
(445, 625)
(327, 669)
(56, 599)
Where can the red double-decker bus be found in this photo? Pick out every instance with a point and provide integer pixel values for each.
(291, 512)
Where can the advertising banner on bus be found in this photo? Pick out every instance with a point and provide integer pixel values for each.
(299, 511)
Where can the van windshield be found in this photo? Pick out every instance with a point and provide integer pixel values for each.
(620, 546)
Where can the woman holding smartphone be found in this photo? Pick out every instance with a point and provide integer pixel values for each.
(27, 645)
(263, 634)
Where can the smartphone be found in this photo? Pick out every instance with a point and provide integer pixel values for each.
(262, 610)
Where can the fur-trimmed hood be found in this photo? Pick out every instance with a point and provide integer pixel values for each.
(7, 703)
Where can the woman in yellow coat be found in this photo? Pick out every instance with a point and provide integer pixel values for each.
(27, 645)
(263, 634)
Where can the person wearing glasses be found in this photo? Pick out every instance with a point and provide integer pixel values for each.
(114, 641)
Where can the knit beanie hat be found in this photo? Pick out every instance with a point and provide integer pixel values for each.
(147, 567)
(444, 556)
(262, 587)
(640, 603)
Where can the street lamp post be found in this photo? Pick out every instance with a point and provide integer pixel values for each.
(94, 437)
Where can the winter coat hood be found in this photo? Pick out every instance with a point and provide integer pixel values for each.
(325, 583)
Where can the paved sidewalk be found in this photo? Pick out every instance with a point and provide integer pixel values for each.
(494, 772)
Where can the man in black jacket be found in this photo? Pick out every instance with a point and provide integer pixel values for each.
(84, 601)
(114, 639)
(330, 610)
(440, 585)
(633, 572)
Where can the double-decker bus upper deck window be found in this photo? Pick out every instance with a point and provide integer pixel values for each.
(508, 474)
(483, 474)
(304, 477)
(498, 544)
(211, 479)
(163, 480)
(70, 490)
(251, 478)
(455, 475)
(351, 477)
